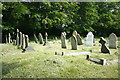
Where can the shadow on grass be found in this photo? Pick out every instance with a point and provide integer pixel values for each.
(7, 67)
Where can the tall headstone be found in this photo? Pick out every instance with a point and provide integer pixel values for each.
(46, 35)
(79, 39)
(74, 42)
(20, 39)
(63, 40)
(104, 48)
(112, 41)
(36, 39)
(9, 38)
(74, 33)
(23, 42)
(89, 39)
(40, 38)
(17, 37)
(26, 41)
(6, 39)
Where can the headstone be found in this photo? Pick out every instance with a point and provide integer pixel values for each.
(36, 40)
(23, 42)
(112, 41)
(17, 37)
(104, 48)
(6, 39)
(9, 38)
(55, 38)
(46, 35)
(63, 40)
(40, 38)
(74, 33)
(20, 39)
(26, 41)
(14, 42)
(79, 39)
(74, 42)
(89, 39)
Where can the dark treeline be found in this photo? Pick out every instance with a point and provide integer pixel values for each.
(102, 18)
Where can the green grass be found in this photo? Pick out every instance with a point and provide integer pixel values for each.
(42, 63)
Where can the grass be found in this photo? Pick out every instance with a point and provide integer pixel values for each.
(42, 63)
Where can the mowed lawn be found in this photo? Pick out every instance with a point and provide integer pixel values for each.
(43, 63)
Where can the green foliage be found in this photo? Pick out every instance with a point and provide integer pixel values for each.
(38, 17)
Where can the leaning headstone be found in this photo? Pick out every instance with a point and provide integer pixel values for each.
(63, 40)
(20, 39)
(74, 42)
(17, 37)
(9, 38)
(104, 48)
(79, 39)
(36, 40)
(26, 41)
(112, 41)
(40, 38)
(74, 33)
(89, 39)
(46, 35)
(23, 42)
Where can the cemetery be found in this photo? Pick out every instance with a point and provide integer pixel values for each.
(67, 54)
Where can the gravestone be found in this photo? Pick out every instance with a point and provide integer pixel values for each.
(104, 48)
(6, 39)
(74, 42)
(63, 40)
(74, 33)
(36, 40)
(17, 37)
(46, 35)
(20, 39)
(79, 39)
(23, 42)
(89, 39)
(9, 38)
(40, 38)
(112, 41)
(26, 41)
(14, 42)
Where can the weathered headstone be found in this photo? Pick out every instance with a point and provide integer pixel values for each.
(26, 41)
(112, 41)
(74, 42)
(23, 42)
(17, 37)
(9, 38)
(36, 40)
(46, 35)
(40, 38)
(79, 39)
(20, 39)
(89, 39)
(63, 40)
(74, 33)
(104, 48)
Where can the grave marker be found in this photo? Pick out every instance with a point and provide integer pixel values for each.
(63, 40)
(40, 38)
(89, 39)
(112, 41)
(74, 42)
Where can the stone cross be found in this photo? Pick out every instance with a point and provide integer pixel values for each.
(46, 35)
(112, 41)
(63, 40)
(89, 39)
(79, 39)
(36, 40)
(74, 42)
(40, 38)
(104, 48)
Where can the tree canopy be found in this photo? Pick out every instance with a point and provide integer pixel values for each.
(102, 18)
